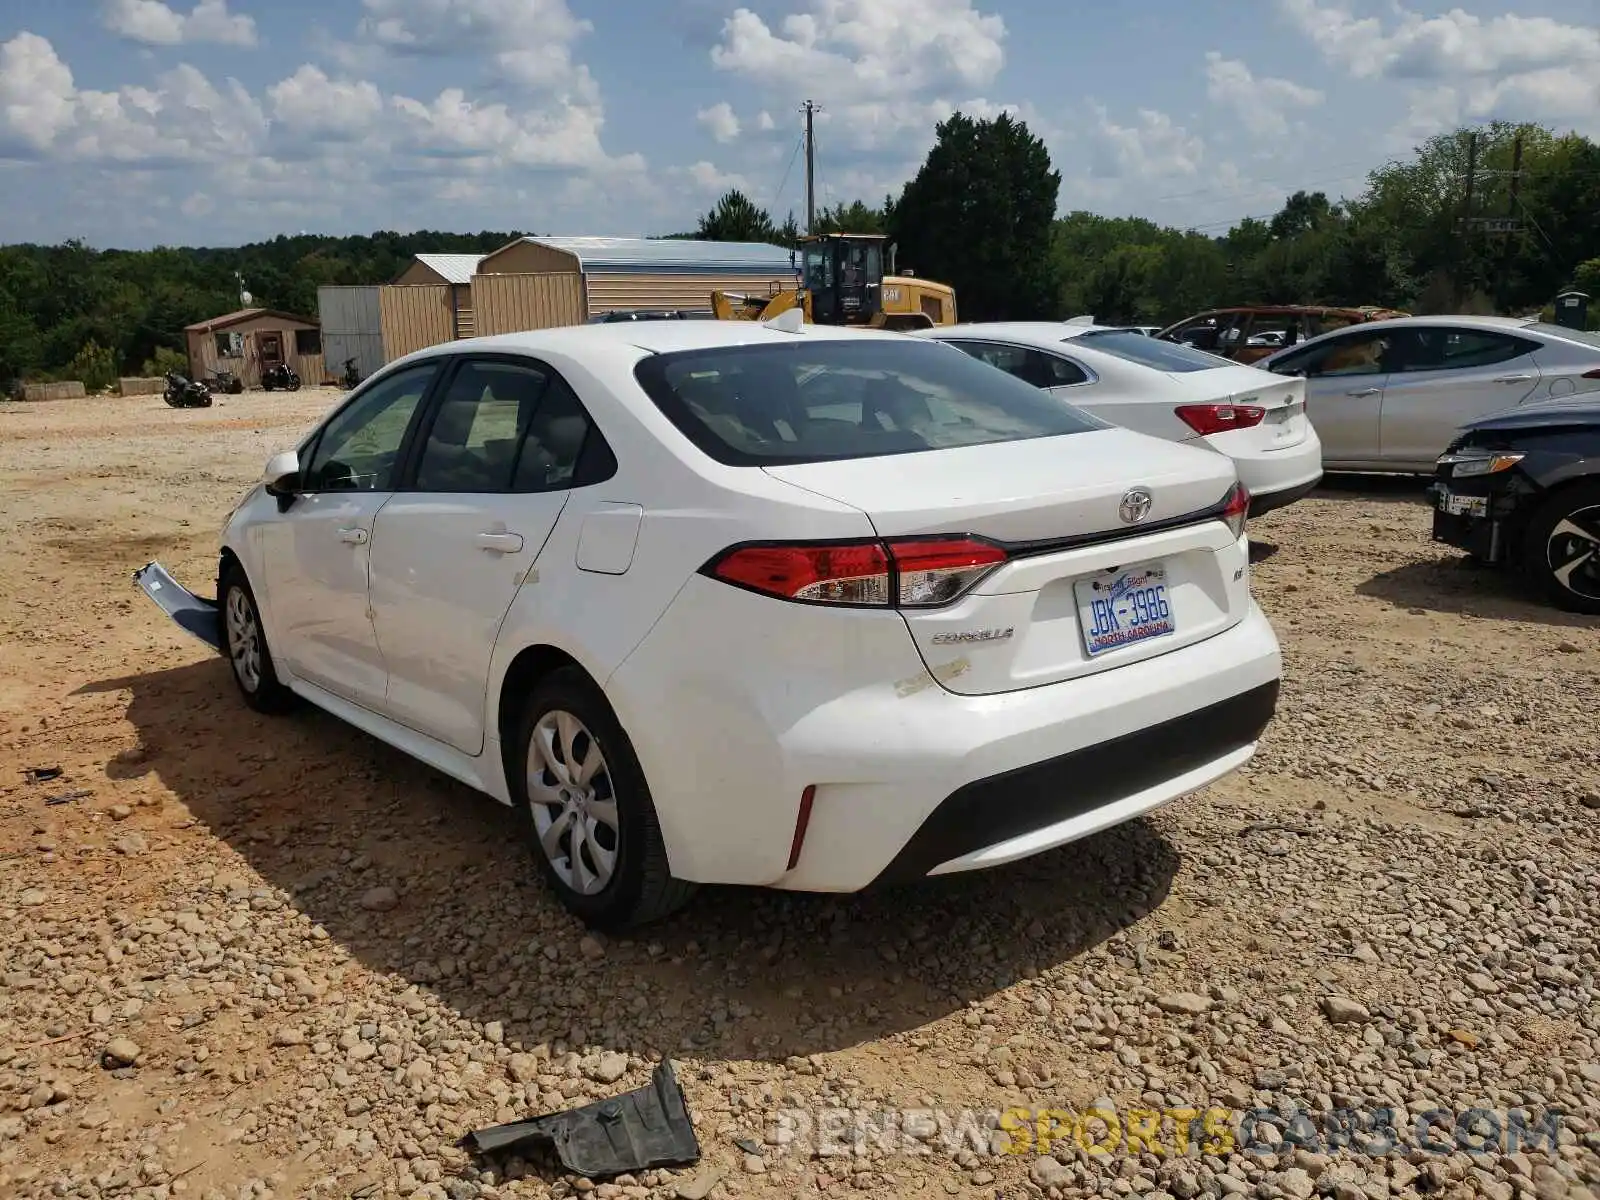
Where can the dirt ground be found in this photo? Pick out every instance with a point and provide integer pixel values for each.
(246, 956)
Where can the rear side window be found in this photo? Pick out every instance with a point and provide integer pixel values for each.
(1588, 337)
(1156, 353)
(821, 399)
(1027, 364)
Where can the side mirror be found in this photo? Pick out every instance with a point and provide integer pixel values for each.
(281, 477)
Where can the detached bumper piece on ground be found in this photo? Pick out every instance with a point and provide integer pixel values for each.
(193, 614)
(644, 1128)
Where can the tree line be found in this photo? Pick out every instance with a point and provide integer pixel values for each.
(980, 214)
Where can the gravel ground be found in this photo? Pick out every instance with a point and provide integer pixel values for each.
(248, 957)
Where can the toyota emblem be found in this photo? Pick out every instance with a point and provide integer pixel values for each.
(1136, 503)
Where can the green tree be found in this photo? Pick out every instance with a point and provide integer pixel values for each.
(166, 360)
(94, 365)
(736, 218)
(978, 215)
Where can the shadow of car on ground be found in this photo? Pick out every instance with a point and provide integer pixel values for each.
(1457, 585)
(1379, 488)
(327, 813)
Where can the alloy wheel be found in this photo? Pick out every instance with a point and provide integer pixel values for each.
(244, 639)
(1573, 552)
(573, 805)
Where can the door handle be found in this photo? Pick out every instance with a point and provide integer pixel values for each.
(1513, 378)
(353, 534)
(500, 543)
(1364, 392)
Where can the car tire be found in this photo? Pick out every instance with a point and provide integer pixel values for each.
(244, 642)
(1548, 550)
(616, 876)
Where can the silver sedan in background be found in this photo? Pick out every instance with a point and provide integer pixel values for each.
(1390, 395)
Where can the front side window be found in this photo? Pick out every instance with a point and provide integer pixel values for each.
(359, 448)
(821, 399)
(472, 443)
(1353, 354)
(1156, 353)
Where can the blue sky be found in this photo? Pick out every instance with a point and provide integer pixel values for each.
(141, 122)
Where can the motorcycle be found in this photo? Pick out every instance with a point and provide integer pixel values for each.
(351, 376)
(280, 376)
(186, 393)
(227, 382)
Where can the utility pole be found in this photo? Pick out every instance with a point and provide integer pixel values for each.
(1516, 176)
(810, 110)
(1464, 264)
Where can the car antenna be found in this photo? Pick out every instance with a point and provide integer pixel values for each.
(790, 320)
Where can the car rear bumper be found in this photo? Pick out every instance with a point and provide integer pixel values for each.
(908, 778)
(1265, 502)
(1020, 812)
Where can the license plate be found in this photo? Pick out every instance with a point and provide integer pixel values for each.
(1124, 607)
(1462, 506)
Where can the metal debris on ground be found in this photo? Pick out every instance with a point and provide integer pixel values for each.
(69, 797)
(647, 1127)
(41, 774)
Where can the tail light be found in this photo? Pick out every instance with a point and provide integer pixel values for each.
(1206, 419)
(1236, 509)
(904, 573)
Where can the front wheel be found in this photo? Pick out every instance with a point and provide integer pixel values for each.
(586, 809)
(1561, 548)
(294, 383)
(246, 642)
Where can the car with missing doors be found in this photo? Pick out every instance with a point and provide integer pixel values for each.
(1390, 396)
(743, 603)
(1248, 333)
(1521, 489)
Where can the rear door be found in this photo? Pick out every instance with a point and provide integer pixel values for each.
(495, 459)
(1444, 377)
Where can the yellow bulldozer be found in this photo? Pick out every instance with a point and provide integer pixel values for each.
(843, 282)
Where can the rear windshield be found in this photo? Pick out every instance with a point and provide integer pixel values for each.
(821, 399)
(1589, 337)
(1149, 352)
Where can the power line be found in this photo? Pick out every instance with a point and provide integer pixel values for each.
(778, 195)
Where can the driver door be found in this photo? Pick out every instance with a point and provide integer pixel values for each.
(316, 553)
(1345, 381)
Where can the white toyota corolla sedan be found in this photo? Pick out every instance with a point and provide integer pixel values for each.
(1167, 390)
(716, 602)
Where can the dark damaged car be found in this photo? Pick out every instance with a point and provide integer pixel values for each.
(1521, 489)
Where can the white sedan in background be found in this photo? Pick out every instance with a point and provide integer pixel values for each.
(1164, 389)
(717, 602)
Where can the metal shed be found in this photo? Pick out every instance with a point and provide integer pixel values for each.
(615, 273)
(251, 339)
(454, 271)
(352, 327)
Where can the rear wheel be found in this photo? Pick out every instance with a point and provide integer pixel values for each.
(586, 809)
(246, 643)
(1561, 548)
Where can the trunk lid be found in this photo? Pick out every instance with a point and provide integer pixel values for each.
(1055, 502)
(1284, 398)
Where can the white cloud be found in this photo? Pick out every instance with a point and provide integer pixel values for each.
(37, 95)
(1153, 148)
(879, 69)
(1465, 67)
(1262, 104)
(530, 41)
(1451, 45)
(308, 102)
(720, 121)
(156, 24)
(764, 121)
(708, 180)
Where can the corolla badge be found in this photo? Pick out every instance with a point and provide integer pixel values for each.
(1136, 505)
